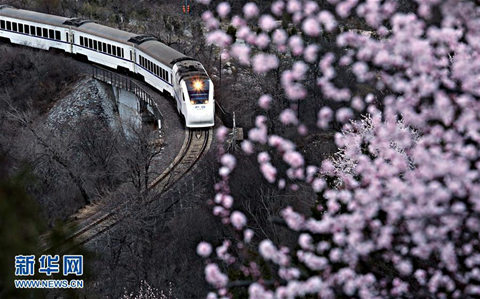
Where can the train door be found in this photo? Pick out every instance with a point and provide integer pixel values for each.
(133, 59)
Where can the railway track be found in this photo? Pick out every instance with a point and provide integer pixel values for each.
(91, 221)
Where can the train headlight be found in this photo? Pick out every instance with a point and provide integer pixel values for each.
(198, 85)
(192, 102)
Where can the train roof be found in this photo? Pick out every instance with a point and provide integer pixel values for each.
(147, 44)
(161, 52)
(106, 32)
(32, 16)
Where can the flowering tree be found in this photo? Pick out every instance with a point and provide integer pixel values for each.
(398, 209)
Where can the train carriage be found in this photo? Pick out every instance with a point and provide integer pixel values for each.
(162, 67)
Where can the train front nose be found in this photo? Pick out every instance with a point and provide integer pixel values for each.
(202, 115)
(201, 107)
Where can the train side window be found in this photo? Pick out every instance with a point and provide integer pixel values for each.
(66, 37)
(104, 46)
(90, 43)
(95, 46)
(20, 28)
(39, 31)
(57, 35)
(2, 24)
(81, 40)
(27, 29)
(14, 25)
(9, 25)
(32, 30)
(51, 34)
(45, 32)
(109, 49)
(114, 51)
(123, 53)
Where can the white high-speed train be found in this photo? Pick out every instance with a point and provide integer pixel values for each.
(162, 67)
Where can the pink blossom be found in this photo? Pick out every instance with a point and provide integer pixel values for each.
(243, 32)
(247, 147)
(312, 261)
(343, 8)
(294, 159)
(263, 157)
(294, 6)
(225, 55)
(310, 7)
(310, 53)
(237, 22)
(211, 295)
(238, 220)
(269, 172)
(229, 161)
(305, 241)
(318, 185)
(223, 9)
(215, 277)
(258, 134)
(250, 10)
(288, 117)
(404, 180)
(248, 235)
(241, 52)
(262, 40)
(207, 15)
(256, 290)
(294, 220)
(222, 133)
(277, 7)
(267, 249)
(227, 201)
(224, 171)
(264, 101)
(325, 116)
(302, 130)
(219, 38)
(328, 20)
(204, 249)
(296, 45)
(263, 63)
(311, 27)
(279, 36)
(344, 114)
(267, 23)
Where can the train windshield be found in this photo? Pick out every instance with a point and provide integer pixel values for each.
(198, 90)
